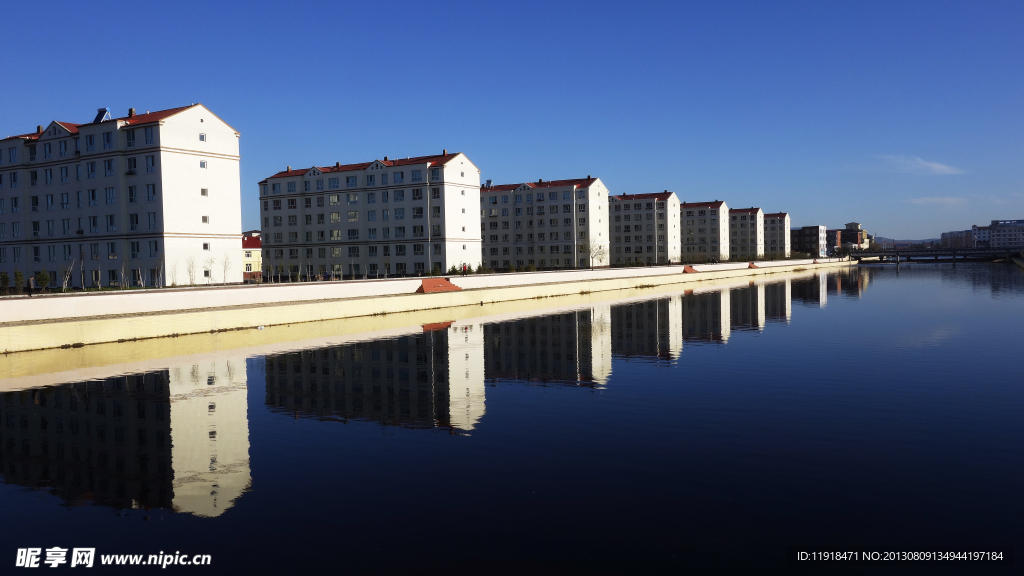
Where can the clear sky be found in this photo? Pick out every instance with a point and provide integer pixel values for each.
(904, 116)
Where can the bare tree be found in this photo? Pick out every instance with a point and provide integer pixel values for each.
(66, 276)
(226, 264)
(174, 273)
(190, 267)
(595, 250)
(124, 281)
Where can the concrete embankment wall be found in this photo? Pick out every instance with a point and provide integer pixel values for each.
(82, 319)
(1018, 261)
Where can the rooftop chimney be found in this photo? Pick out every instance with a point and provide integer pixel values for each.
(289, 169)
(337, 164)
(385, 158)
(588, 176)
(540, 180)
(444, 152)
(39, 129)
(488, 183)
(131, 112)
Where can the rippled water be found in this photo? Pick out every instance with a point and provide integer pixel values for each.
(703, 429)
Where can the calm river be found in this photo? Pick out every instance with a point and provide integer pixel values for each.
(711, 429)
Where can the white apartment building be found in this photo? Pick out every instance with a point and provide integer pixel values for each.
(390, 217)
(147, 199)
(777, 242)
(645, 228)
(554, 224)
(1006, 233)
(704, 231)
(746, 229)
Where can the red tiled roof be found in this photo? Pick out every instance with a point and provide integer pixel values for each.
(251, 242)
(151, 117)
(744, 210)
(655, 196)
(777, 215)
(715, 204)
(70, 127)
(130, 121)
(577, 182)
(437, 159)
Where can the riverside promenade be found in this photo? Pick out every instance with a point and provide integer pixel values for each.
(81, 319)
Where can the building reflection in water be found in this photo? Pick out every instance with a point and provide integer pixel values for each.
(433, 377)
(175, 438)
(179, 437)
(572, 347)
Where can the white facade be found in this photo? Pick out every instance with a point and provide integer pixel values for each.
(376, 219)
(148, 199)
(776, 235)
(704, 231)
(1006, 233)
(554, 224)
(746, 229)
(645, 228)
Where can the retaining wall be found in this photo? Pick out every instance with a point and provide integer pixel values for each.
(83, 319)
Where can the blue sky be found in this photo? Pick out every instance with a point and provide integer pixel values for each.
(904, 116)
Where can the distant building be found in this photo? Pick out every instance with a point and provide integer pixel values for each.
(252, 256)
(854, 237)
(705, 231)
(834, 239)
(552, 224)
(390, 217)
(746, 233)
(958, 239)
(982, 236)
(810, 240)
(884, 243)
(1006, 233)
(777, 242)
(645, 228)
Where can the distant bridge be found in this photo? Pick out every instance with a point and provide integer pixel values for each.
(936, 253)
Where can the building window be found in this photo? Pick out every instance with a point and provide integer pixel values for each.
(206, 219)
(202, 137)
(202, 163)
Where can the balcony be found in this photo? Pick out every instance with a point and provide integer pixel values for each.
(129, 172)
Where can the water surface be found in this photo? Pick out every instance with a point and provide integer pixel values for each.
(708, 429)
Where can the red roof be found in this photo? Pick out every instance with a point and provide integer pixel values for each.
(744, 210)
(151, 116)
(660, 196)
(70, 127)
(438, 159)
(777, 215)
(577, 182)
(251, 242)
(130, 121)
(715, 204)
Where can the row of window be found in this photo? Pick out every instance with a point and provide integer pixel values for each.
(636, 239)
(553, 223)
(397, 177)
(636, 250)
(81, 225)
(350, 216)
(352, 199)
(91, 197)
(66, 252)
(106, 139)
(541, 237)
(552, 249)
(552, 197)
(109, 168)
(624, 206)
(566, 209)
(353, 251)
(352, 234)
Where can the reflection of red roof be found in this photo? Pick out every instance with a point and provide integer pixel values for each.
(715, 204)
(744, 210)
(660, 196)
(252, 242)
(435, 160)
(577, 182)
